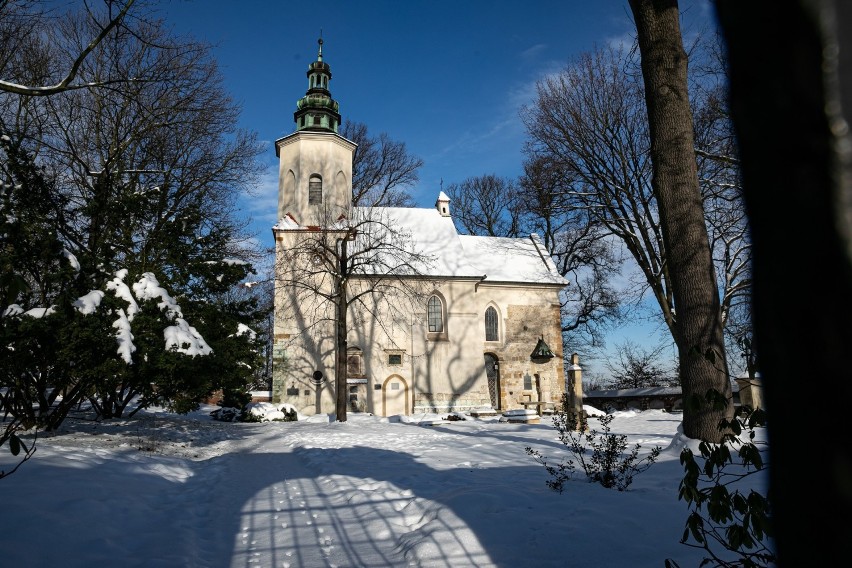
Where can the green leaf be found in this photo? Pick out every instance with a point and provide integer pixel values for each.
(739, 503)
(735, 427)
(696, 526)
(14, 445)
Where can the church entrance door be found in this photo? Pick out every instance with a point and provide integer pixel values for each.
(492, 370)
(395, 396)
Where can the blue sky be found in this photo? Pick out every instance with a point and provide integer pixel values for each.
(448, 78)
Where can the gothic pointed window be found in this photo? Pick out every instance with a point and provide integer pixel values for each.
(491, 330)
(435, 315)
(315, 190)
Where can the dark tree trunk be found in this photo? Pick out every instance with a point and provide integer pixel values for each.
(788, 97)
(342, 326)
(698, 323)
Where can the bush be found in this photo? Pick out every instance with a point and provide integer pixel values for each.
(602, 456)
(269, 412)
(721, 515)
(234, 398)
(227, 414)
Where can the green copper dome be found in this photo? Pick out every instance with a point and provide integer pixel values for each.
(317, 110)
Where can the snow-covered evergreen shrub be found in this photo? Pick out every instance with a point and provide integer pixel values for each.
(269, 412)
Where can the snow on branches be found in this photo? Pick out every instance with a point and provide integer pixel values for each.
(180, 336)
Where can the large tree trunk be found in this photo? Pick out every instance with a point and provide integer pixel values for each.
(788, 99)
(340, 370)
(340, 366)
(698, 323)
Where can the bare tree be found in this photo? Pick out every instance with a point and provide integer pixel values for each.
(791, 99)
(590, 121)
(23, 24)
(581, 249)
(721, 187)
(363, 265)
(698, 324)
(588, 124)
(382, 170)
(135, 160)
(487, 206)
(638, 367)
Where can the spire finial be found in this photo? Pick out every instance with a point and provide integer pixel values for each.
(319, 41)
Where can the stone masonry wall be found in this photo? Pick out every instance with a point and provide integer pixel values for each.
(521, 378)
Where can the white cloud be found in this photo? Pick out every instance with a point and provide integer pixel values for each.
(623, 42)
(533, 52)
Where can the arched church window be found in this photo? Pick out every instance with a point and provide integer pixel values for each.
(435, 314)
(491, 330)
(315, 190)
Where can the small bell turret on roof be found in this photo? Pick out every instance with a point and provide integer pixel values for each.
(443, 204)
(541, 352)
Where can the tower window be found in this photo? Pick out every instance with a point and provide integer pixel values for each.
(315, 190)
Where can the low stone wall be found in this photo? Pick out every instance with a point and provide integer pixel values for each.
(668, 398)
(667, 402)
(442, 403)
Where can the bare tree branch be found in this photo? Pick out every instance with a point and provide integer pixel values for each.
(65, 84)
(382, 170)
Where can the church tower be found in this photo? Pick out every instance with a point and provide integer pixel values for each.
(314, 192)
(315, 167)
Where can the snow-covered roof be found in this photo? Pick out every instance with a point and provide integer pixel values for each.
(498, 259)
(504, 259)
(444, 253)
(433, 236)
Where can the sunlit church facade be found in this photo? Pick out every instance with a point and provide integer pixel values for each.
(484, 334)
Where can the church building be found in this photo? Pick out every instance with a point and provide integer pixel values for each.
(419, 317)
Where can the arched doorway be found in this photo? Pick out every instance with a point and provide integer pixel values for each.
(492, 370)
(395, 396)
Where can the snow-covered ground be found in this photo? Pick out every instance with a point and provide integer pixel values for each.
(164, 490)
